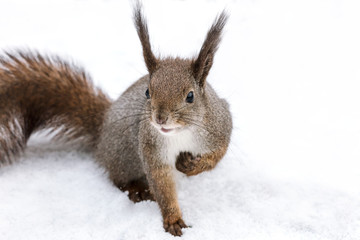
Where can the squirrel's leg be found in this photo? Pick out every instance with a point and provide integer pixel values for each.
(192, 165)
(163, 187)
(138, 190)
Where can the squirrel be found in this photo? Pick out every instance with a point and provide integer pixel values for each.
(171, 119)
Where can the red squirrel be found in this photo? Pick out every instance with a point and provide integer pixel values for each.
(170, 119)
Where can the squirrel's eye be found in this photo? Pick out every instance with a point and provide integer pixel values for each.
(147, 94)
(190, 97)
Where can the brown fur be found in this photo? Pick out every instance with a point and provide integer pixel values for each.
(172, 81)
(162, 186)
(142, 30)
(201, 66)
(38, 92)
(190, 165)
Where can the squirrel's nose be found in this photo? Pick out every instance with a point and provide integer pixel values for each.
(161, 120)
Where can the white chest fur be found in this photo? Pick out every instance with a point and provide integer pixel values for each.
(181, 142)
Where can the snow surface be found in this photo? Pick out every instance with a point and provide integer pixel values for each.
(291, 72)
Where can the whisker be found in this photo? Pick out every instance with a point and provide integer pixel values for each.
(177, 110)
(132, 115)
(196, 123)
(138, 122)
(129, 108)
(142, 103)
(189, 115)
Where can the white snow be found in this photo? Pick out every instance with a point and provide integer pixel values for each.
(291, 72)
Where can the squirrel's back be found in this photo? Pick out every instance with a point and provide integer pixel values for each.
(38, 92)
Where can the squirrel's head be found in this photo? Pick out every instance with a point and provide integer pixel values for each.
(176, 91)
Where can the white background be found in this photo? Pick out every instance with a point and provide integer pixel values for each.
(291, 72)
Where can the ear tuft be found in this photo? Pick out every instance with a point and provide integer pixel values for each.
(203, 63)
(143, 33)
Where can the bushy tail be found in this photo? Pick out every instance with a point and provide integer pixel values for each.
(38, 92)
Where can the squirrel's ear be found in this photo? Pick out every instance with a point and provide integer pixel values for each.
(202, 64)
(143, 33)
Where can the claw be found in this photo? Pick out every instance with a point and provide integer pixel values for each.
(175, 228)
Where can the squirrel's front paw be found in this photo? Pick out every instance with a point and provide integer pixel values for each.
(187, 163)
(174, 227)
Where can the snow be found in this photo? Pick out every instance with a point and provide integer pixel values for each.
(291, 72)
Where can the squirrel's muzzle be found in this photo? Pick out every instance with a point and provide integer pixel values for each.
(161, 119)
